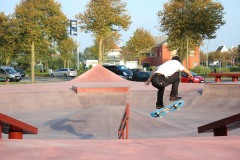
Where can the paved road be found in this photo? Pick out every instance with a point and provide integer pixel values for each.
(47, 79)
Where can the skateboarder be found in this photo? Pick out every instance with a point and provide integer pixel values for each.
(163, 76)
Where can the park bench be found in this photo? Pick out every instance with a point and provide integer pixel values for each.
(15, 128)
(218, 76)
(220, 127)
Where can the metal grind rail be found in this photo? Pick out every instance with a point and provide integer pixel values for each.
(124, 123)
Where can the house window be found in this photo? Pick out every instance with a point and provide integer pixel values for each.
(191, 53)
(194, 64)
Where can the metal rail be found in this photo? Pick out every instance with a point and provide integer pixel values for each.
(219, 127)
(124, 123)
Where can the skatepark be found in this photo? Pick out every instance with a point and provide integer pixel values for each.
(84, 124)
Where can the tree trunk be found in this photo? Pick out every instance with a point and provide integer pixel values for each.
(33, 62)
(100, 52)
(64, 65)
(7, 60)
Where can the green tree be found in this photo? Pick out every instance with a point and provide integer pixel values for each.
(38, 21)
(203, 58)
(90, 53)
(102, 17)
(66, 48)
(140, 44)
(7, 38)
(109, 42)
(188, 22)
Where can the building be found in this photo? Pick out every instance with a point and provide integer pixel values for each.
(160, 54)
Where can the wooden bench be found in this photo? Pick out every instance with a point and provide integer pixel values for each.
(219, 127)
(218, 76)
(15, 128)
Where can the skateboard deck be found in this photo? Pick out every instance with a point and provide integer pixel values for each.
(170, 108)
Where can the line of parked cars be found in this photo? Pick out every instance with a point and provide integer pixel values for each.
(11, 74)
(141, 75)
(120, 70)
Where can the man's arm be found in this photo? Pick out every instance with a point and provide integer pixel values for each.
(150, 77)
(188, 72)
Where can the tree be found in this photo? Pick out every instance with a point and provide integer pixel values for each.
(7, 38)
(127, 55)
(38, 21)
(109, 42)
(188, 22)
(66, 48)
(203, 58)
(102, 17)
(140, 43)
(90, 53)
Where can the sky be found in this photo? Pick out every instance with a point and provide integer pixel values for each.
(144, 14)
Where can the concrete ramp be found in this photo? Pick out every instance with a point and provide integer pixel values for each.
(222, 90)
(99, 74)
(33, 101)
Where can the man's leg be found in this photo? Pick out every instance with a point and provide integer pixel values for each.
(159, 103)
(155, 83)
(174, 80)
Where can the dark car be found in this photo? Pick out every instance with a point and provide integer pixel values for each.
(196, 78)
(120, 70)
(141, 76)
(21, 72)
(136, 70)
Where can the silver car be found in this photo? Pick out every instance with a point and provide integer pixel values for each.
(64, 72)
(9, 73)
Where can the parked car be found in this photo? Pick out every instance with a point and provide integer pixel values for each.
(136, 70)
(141, 76)
(196, 78)
(64, 72)
(20, 71)
(120, 70)
(7, 72)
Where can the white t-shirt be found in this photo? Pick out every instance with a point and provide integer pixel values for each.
(170, 67)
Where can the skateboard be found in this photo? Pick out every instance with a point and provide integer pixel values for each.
(170, 108)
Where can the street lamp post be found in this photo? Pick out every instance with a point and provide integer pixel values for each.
(74, 32)
(207, 52)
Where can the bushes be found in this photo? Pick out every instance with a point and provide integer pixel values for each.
(201, 70)
(234, 69)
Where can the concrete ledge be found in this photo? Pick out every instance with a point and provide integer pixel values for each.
(100, 88)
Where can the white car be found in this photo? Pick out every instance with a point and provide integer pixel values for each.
(64, 72)
(8, 73)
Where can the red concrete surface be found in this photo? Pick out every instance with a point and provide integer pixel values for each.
(75, 126)
(211, 148)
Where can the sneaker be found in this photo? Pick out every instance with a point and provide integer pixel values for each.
(174, 98)
(159, 107)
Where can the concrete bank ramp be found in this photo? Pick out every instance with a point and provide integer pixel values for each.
(229, 90)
